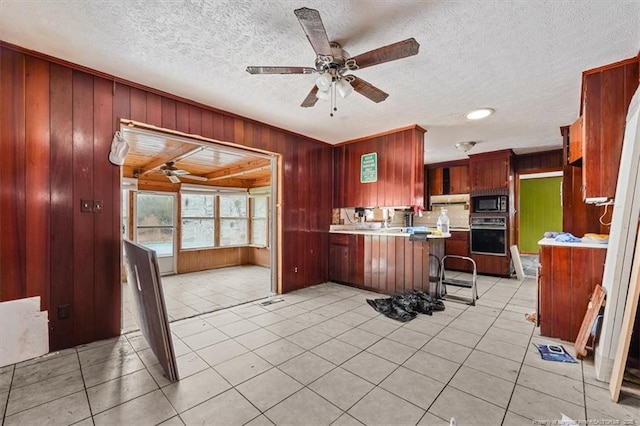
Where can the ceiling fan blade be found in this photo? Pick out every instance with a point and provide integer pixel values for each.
(399, 50)
(311, 98)
(174, 179)
(314, 29)
(280, 70)
(367, 89)
(195, 177)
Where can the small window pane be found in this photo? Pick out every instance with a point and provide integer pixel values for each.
(233, 206)
(197, 205)
(259, 232)
(197, 233)
(158, 239)
(154, 210)
(233, 232)
(259, 207)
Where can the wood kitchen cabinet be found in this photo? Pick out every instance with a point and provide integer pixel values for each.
(447, 178)
(606, 94)
(575, 141)
(490, 171)
(435, 181)
(346, 258)
(459, 180)
(384, 263)
(400, 170)
(458, 244)
(567, 277)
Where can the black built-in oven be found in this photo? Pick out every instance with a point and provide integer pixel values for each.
(489, 235)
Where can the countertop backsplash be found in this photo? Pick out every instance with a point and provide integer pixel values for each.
(458, 217)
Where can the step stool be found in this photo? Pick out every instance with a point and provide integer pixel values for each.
(444, 282)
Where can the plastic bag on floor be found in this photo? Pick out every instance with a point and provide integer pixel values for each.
(406, 307)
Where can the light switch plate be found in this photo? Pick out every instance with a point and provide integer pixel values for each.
(86, 206)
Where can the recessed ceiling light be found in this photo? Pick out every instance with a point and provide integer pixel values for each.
(480, 113)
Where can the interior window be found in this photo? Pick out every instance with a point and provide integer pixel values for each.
(259, 209)
(198, 220)
(233, 219)
(154, 222)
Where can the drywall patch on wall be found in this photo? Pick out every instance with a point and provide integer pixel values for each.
(25, 330)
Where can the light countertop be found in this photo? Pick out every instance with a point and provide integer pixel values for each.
(553, 242)
(391, 232)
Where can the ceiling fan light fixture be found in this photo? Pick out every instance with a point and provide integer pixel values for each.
(324, 82)
(480, 113)
(465, 146)
(323, 96)
(344, 88)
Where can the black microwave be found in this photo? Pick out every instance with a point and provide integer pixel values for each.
(490, 204)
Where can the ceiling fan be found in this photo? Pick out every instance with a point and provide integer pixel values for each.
(174, 174)
(333, 63)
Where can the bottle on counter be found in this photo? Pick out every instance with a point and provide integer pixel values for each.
(442, 224)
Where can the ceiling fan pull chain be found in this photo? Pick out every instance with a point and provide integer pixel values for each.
(333, 99)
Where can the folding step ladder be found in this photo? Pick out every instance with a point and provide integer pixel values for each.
(444, 282)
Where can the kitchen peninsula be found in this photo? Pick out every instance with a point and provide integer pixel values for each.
(384, 260)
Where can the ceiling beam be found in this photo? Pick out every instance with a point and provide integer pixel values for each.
(175, 155)
(241, 169)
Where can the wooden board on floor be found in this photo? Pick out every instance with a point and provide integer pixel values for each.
(517, 263)
(595, 304)
(630, 309)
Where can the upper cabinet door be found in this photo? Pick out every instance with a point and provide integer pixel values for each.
(606, 94)
(490, 171)
(459, 180)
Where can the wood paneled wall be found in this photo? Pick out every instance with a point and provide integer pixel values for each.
(400, 170)
(256, 256)
(56, 126)
(537, 162)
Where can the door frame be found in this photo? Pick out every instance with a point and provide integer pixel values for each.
(275, 217)
(174, 256)
(534, 175)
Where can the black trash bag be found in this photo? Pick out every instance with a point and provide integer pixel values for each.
(388, 308)
(406, 307)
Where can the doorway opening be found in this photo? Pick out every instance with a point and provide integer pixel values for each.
(208, 210)
(540, 209)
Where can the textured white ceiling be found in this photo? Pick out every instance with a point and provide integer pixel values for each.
(523, 58)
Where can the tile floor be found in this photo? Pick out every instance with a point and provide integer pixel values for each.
(188, 295)
(530, 264)
(322, 356)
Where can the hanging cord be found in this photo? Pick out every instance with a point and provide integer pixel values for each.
(606, 207)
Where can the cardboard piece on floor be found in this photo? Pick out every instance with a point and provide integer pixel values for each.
(631, 306)
(25, 330)
(597, 299)
(517, 263)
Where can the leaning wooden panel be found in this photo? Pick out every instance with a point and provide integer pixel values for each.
(145, 286)
(630, 310)
(589, 319)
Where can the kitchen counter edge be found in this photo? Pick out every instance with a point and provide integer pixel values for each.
(383, 233)
(553, 242)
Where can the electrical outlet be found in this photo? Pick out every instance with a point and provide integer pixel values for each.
(64, 312)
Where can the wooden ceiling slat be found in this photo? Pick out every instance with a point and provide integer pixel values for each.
(186, 150)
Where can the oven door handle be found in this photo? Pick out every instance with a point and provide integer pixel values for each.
(490, 228)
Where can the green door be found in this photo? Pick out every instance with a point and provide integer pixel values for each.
(540, 211)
